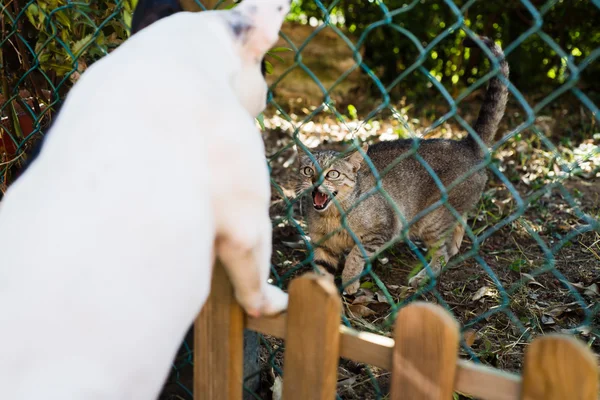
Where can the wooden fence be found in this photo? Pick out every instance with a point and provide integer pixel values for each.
(422, 356)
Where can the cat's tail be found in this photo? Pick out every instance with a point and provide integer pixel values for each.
(494, 103)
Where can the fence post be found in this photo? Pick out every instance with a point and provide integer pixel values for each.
(425, 353)
(559, 367)
(312, 347)
(219, 343)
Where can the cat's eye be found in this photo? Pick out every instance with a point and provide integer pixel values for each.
(308, 171)
(333, 174)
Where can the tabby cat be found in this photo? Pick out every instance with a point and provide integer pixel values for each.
(373, 220)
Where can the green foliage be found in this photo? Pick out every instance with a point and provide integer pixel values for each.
(389, 47)
(68, 33)
(273, 54)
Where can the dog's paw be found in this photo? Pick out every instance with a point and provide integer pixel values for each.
(270, 301)
(276, 301)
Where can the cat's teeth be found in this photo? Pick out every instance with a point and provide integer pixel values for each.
(320, 199)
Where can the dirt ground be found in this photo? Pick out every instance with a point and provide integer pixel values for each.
(499, 328)
(549, 279)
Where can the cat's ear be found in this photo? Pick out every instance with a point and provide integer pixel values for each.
(356, 158)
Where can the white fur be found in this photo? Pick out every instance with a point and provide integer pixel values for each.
(107, 241)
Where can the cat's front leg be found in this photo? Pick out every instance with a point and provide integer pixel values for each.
(438, 261)
(326, 261)
(449, 248)
(355, 262)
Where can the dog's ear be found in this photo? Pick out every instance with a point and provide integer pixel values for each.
(256, 24)
(148, 12)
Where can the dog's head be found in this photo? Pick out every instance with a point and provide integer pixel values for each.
(255, 25)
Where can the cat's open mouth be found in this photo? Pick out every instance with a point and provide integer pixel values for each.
(321, 200)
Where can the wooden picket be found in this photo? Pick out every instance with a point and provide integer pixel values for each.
(425, 355)
(559, 367)
(314, 312)
(422, 356)
(219, 343)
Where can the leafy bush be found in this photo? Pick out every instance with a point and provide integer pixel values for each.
(389, 47)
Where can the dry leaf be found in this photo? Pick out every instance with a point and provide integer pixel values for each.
(347, 382)
(381, 297)
(557, 311)
(365, 299)
(366, 292)
(547, 320)
(470, 335)
(379, 307)
(277, 388)
(485, 291)
(591, 290)
(360, 310)
(584, 330)
(564, 227)
(531, 280)
(294, 245)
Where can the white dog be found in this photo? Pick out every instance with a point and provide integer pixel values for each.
(107, 241)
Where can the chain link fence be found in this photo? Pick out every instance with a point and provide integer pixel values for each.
(348, 72)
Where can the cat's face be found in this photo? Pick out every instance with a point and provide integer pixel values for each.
(338, 174)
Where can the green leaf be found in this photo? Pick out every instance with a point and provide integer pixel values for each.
(367, 285)
(277, 57)
(268, 67)
(43, 57)
(79, 46)
(64, 20)
(127, 17)
(352, 112)
(279, 49)
(261, 121)
(33, 13)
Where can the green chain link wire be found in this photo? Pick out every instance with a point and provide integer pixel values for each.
(95, 23)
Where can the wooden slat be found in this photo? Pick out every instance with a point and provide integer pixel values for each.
(424, 361)
(219, 343)
(486, 383)
(312, 355)
(471, 379)
(559, 367)
(357, 345)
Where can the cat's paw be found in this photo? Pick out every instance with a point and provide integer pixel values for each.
(418, 280)
(353, 287)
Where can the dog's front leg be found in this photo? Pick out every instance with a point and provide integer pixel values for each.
(245, 251)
